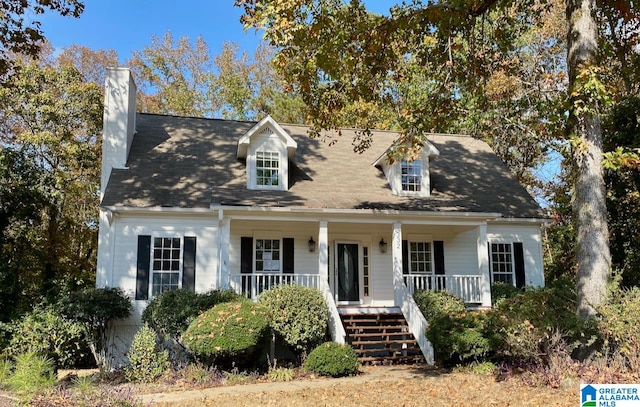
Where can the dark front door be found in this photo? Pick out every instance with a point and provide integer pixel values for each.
(348, 270)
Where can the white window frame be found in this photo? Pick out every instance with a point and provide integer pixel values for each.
(410, 166)
(431, 261)
(278, 159)
(255, 254)
(153, 272)
(511, 263)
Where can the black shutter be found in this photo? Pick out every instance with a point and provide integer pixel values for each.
(189, 264)
(490, 262)
(405, 257)
(142, 273)
(438, 258)
(287, 255)
(518, 258)
(246, 255)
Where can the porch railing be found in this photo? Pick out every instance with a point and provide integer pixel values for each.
(252, 285)
(468, 288)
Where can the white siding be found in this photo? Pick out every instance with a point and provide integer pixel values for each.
(126, 232)
(531, 239)
(305, 262)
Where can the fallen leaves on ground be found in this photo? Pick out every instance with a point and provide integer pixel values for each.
(456, 389)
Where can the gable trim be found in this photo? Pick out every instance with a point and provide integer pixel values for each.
(266, 124)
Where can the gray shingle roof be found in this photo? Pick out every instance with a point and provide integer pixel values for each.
(191, 163)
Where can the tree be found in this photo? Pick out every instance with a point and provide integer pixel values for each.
(336, 52)
(51, 120)
(586, 98)
(23, 37)
(180, 74)
(92, 64)
(181, 77)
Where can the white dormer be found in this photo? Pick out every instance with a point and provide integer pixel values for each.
(267, 149)
(409, 176)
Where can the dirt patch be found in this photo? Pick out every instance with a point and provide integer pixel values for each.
(380, 386)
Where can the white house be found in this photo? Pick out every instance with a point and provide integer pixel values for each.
(202, 204)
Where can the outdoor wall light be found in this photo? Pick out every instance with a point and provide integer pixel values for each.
(312, 244)
(383, 246)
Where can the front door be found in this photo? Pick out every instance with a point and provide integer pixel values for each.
(348, 270)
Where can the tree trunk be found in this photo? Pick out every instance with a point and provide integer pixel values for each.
(589, 205)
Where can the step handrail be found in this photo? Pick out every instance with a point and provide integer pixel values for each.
(416, 321)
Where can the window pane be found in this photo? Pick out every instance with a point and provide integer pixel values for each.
(267, 255)
(267, 168)
(165, 270)
(420, 257)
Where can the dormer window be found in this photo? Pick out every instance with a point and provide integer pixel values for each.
(411, 175)
(267, 149)
(267, 168)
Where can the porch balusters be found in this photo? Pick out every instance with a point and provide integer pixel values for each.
(466, 287)
(252, 285)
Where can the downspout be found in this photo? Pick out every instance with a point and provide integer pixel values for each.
(219, 281)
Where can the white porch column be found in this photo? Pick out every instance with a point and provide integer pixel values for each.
(224, 226)
(396, 253)
(483, 265)
(323, 254)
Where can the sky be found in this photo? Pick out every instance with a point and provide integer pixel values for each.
(128, 25)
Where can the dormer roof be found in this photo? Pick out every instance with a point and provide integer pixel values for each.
(427, 148)
(266, 125)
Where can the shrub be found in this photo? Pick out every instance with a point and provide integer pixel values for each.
(32, 373)
(525, 323)
(6, 367)
(46, 332)
(332, 359)
(147, 360)
(228, 330)
(460, 337)
(502, 291)
(619, 319)
(298, 314)
(96, 309)
(434, 304)
(171, 312)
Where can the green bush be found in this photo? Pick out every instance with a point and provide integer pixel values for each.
(502, 291)
(95, 309)
(460, 337)
(171, 312)
(434, 304)
(32, 373)
(6, 367)
(228, 331)
(298, 314)
(44, 331)
(332, 359)
(525, 323)
(619, 319)
(147, 360)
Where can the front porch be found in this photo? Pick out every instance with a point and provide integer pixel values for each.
(361, 264)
